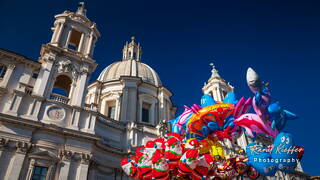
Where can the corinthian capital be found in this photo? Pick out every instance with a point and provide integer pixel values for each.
(86, 158)
(4, 142)
(66, 155)
(22, 147)
(11, 66)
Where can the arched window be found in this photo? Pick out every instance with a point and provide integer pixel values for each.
(62, 85)
(3, 70)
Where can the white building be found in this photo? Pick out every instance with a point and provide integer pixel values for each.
(55, 126)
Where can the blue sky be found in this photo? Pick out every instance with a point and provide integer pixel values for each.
(280, 40)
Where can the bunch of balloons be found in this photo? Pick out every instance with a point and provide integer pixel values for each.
(212, 118)
(164, 158)
(192, 148)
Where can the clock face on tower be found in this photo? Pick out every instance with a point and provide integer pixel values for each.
(56, 113)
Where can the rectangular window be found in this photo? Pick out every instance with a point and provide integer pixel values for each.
(146, 112)
(39, 173)
(3, 70)
(111, 112)
(35, 75)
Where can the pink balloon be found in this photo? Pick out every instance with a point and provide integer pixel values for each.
(253, 122)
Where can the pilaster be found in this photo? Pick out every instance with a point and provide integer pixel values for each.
(80, 89)
(129, 98)
(65, 164)
(18, 160)
(44, 77)
(12, 106)
(84, 166)
(75, 118)
(6, 79)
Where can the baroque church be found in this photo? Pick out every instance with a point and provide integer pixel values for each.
(54, 125)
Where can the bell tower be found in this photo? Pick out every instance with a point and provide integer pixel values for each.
(67, 60)
(74, 31)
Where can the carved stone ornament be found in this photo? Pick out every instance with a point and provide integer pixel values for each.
(22, 147)
(66, 155)
(56, 113)
(86, 158)
(66, 66)
(4, 142)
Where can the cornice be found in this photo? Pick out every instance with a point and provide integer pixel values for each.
(19, 59)
(48, 127)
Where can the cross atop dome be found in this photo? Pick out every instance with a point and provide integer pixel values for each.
(132, 50)
(214, 71)
(81, 9)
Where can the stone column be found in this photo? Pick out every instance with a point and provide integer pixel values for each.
(84, 166)
(65, 165)
(74, 123)
(6, 159)
(81, 42)
(93, 44)
(71, 94)
(59, 34)
(80, 89)
(3, 146)
(69, 31)
(44, 78)
(117, 110)
(54, 35)
(90, 122)
(16, 165)
(88, 49)
(6, 79)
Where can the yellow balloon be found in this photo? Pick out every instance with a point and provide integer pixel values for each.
(216, 149)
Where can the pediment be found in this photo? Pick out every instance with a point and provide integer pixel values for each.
(44, 155)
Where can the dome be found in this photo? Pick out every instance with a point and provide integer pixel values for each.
(130, 67)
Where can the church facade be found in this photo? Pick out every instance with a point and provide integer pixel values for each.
(56, 126)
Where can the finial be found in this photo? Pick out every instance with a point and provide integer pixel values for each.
(133, 38)
(81, 4)
(212, 65)
(214, 71)
(81, 9)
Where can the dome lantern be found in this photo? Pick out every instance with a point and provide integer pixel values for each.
(130, 65)
(132, 50)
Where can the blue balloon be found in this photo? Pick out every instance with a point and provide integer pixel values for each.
(207, 100)
(279, 116)
(283, 155)
(213, 126)
(258, 98)
(229, 122)
(175, 128)
(260, 159)
(286, 160)
(230, 98)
